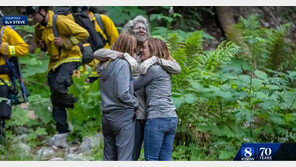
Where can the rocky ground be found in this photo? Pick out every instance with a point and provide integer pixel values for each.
(20, 147)
(75, 152)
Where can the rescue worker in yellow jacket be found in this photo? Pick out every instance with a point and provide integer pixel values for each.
(11, 44)
(65, 57)
(108, 33)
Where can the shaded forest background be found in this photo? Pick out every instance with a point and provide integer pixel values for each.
(237, 85)
(213, 20)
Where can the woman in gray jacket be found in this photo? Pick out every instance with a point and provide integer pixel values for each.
(118, 102)
(161, 123)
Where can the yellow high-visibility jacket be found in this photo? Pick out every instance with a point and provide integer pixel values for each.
(110, 28)
(71, 32)
(112, 33)
(12, 45)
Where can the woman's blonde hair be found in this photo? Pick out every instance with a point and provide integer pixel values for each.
(125, 43)
(158, 48)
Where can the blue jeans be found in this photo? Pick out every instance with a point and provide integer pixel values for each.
(159, 136)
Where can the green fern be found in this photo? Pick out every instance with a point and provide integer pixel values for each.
(251, 23)
(193, 44)
(223, 54)
(278, 48)
(264, 47)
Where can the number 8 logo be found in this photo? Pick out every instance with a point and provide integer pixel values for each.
(248, 152)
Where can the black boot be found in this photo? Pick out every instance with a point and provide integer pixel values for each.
(2, 130)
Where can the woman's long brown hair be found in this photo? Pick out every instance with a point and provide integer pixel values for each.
(125, 43)
(158, 48)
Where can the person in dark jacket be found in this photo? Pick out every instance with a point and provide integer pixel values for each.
(161, 123)
(118, 102)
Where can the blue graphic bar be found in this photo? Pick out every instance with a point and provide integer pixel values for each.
(15, 20)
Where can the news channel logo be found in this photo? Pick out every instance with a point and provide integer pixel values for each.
(252, 153)
(247, 153)
(263, 152)
(14, 20)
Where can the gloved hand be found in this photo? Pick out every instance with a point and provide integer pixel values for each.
(76, 73)
(132, 62)
(59, 41)
(145, 65)
(42, 45)
(66, 42)
(4, 48)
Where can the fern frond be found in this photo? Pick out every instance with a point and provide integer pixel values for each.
(277, 47)
(173, 41)
(250, 23)
(193, 44)
(223, 54)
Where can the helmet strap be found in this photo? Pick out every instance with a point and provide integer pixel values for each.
(43, 22)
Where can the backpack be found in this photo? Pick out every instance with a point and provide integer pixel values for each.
(102, 26)
(15, 74)
(95, 40)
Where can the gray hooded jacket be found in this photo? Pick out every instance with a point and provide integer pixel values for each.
(117, 100)
(157, 83)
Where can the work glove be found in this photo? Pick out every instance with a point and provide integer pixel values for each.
(66, 42)
(145, 65)
(76, 73)
(5, 47)
(132, 62)
(59, 41)
(42, 45)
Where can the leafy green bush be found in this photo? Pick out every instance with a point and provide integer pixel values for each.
(265, 47)
(85, 117)
(35, 116)
(223, 101)
(120, 15)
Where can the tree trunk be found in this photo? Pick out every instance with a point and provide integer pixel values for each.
(227, 24)
(225, 18)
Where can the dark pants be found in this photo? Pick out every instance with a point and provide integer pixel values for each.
(5, 109)
(118, 140)
(158, 138)
(92, 79)
(139, 138)
(58, 82)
